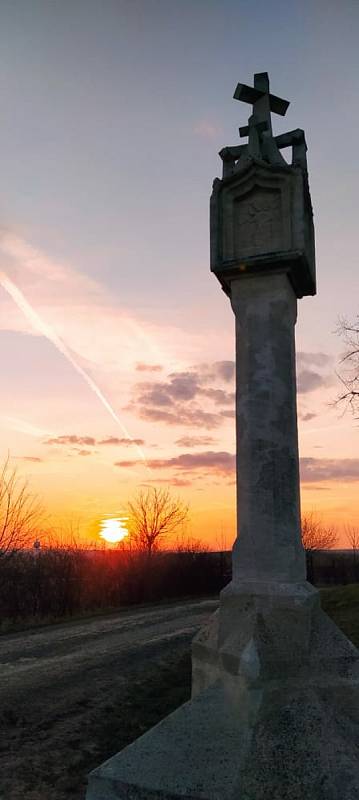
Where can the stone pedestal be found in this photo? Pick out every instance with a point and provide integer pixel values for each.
(274, 713)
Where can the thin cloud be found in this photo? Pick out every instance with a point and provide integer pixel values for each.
(307, 417)
(314, 470)
(34, 459)
(195, 441)
(219, 396)
(142, 367)
(313, 359)
(218, 370)
(90, 441)
(21, 425)
(230, 414)
(219, 463)
(180, 399)
(192, 417)
(114, 440)
(49, 333)
(71, 439)
(309, 381)
(171, 481)
(207, 129)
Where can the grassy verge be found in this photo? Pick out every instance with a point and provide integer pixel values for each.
(33, 623)
(342, 605)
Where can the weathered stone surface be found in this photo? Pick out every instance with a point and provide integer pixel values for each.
(261, 211)
(271, 635)
(265, 743)
(261, 218)
(268, 545)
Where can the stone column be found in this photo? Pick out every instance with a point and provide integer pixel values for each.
(270, 672)
(268, 545)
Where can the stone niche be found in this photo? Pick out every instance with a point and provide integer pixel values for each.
(261, 220)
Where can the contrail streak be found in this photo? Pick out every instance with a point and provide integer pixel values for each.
(45, 329)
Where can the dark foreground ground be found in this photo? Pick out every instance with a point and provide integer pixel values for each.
(72, 695)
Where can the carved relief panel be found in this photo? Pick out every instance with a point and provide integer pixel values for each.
(257, 223)
(260, 220)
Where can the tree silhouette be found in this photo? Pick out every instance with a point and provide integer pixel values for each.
(349, 376)
(315, 535)
(153, 515)
(20, 512)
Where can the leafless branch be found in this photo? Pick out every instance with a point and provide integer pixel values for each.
(315, 535)
(153, 515)
(352, 536)
(20, 512)
(350, 361)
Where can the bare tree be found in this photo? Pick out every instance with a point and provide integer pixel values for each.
(153, 515)
(20, 512)
(352, 536)
(315, 535)
(191, 545)
(349, 376)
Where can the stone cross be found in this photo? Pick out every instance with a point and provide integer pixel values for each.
(261, 256)
(262, 144)
(263, 103)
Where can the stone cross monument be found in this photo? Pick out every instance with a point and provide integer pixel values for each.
(274, 713)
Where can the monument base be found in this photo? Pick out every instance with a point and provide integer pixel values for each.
(275, 711)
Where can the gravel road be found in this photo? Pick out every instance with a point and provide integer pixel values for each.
(73, 694)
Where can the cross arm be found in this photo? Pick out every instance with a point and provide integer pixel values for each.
(232, 153)
(291, 138)
(250, 95)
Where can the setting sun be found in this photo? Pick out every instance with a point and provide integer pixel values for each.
(113, 530)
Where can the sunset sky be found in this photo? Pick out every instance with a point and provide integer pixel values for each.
(116, 342)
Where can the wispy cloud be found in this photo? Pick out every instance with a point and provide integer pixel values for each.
(90, 441)
(308, 380)
(207, 129)
(34, 459)
(93, 323)
(180, 482)
(71, 439)
(22, 426)
(190, 417)
(195, 441)
(308, 377)
(220, 463)
(141, 367)
(307, 416)
(305, 359)
(46, 330)
(113, 440)
(329, 469)
(180, 399)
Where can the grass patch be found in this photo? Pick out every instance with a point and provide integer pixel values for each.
(8, 625)
(342, 604)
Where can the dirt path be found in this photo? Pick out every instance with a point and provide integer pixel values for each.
(72, 695)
